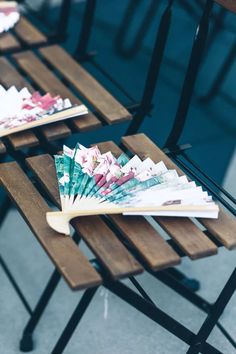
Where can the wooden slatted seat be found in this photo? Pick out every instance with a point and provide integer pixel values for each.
(38, 75)
(154, 251)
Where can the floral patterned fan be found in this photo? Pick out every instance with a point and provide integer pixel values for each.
(91, 183)
(20, 110)
(9, 15)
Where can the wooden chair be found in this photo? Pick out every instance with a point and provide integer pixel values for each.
(122, 246)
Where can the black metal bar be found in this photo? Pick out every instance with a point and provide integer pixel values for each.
(211, 180)
(155, 314)
(170, 280)
(229, 60)
(5, 207)
(134, 47)
(190, 77)
(226, 334)
(203, 183)
(141, 290)
(112, 80)
(215, 313)
(64, 17)
(74, 320)
(26, 342)
(153, 71)
(15, 285)
(170, 277)
(86, 28)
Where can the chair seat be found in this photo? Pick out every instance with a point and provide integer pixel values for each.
(123, 245)
(22, 35)
(62, 75)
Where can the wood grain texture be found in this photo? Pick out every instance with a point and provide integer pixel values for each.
(228, 4)
(8, 42)
(223, 229)
(64, 253)
(9, 76)
(23, 139)
(49, 82)
(102, 241)
(185, 233)
(155, 251)
(109, 108)
(28, 33)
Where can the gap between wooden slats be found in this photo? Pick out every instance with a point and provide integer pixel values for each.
(49, 82)
(62, 250)
(104, 103)
(223, 229)
(96, 234)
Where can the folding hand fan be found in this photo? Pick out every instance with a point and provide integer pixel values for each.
(21, 110)
(9, 15)
(92, 183)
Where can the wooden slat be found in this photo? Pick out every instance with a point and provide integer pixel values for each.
(109, 108)
(65, 254)
(102, 241)
(228, 4)
(185, 233)
(28, 33)
(9, 76)
(140, 234)
(147, 241)
(8, 42)
(48, 82)
(223, 229)
(23, 139)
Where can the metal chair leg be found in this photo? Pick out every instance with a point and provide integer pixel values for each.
(74, 321)
(214, 315)
(26, 342)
